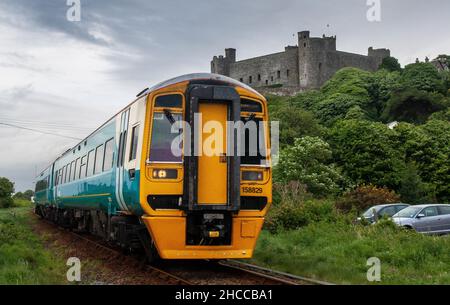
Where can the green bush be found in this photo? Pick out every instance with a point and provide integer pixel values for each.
(365, 196)
(297, 209)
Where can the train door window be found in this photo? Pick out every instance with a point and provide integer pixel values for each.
(134, 142)
(76, 173)
(83, 167)
(98, 159)
(72, 170)
(162, 138)
(90, 163)
(109, 155)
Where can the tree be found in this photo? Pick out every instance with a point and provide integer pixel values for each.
(6, 190)
(295, 123)
(380, 86)
(413, 105)
(428, 147)
(422, 76)
(367, 152)
(390, 64)
(28, 194)
(443, 115)
(336, 107)
(308, 161)
(412, 189)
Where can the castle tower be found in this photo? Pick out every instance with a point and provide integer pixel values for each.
(378, 55)
(221, 65)
(312, 52)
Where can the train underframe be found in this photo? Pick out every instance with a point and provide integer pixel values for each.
(199, 235)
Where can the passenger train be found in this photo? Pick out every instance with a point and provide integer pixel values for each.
(128, 182)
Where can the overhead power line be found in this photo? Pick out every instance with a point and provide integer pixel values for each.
(40, 131)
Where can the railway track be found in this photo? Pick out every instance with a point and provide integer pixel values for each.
(225, 272)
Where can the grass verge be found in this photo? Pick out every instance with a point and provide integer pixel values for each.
(23, 258)
(338, 252)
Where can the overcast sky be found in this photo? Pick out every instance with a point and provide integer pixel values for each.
(69, 77)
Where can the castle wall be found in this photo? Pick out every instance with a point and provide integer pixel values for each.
(274, 69)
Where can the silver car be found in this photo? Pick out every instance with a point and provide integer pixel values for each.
(425, 218)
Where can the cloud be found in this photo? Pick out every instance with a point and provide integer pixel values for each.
(75, 75)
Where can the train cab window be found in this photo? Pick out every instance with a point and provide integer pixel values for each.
(134, 142)
(170, 101)
(98, 159)
(250, 106)
(162, 138)
(90, 163)
(253, 145)
(83, 167)
(76, 173)
(109, 155)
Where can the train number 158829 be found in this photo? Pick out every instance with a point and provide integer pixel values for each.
(253, 190)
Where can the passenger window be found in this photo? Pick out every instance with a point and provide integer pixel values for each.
(60, 176)
(98, 159)
(162, 138)
(134, 142)
(68, 173)
(444, 210)
(65, 174)
(171, 101)
(91, 163)
(109, 154)
(83, 167)
(77, 169)
(430, 211)
(72, 170)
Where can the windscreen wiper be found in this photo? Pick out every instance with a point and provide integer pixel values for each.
(250, 118)
(169, 116)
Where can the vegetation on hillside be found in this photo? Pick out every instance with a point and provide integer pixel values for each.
(336, 138)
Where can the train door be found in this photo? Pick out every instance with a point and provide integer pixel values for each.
(120, 170)
(212, 161)
(212, 164)
(129, 152)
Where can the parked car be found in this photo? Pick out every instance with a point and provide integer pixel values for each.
(376, 212)
(425, 218)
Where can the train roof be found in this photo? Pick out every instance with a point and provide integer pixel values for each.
(166, 83)
(201, 76)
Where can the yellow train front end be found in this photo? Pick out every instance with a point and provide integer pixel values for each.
(205, 179)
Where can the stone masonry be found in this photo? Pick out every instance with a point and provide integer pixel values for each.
(306, 66)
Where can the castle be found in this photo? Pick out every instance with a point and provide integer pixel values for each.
(306, 66)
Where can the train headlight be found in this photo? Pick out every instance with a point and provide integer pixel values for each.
(165, 174)
(252, 175)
